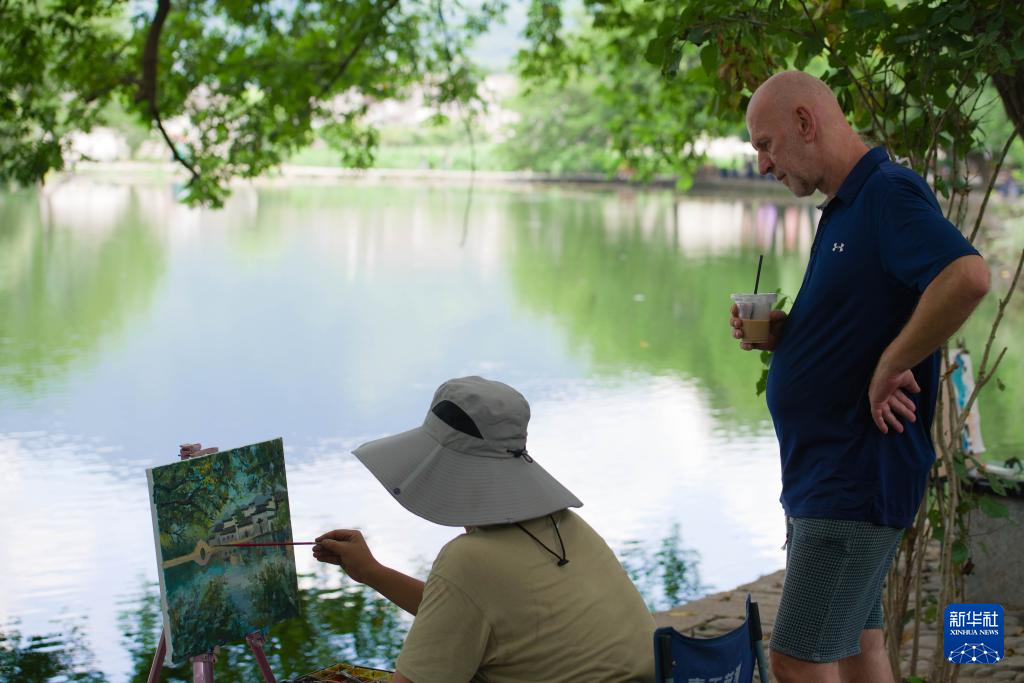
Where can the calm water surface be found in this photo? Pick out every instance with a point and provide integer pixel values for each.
(327, 315)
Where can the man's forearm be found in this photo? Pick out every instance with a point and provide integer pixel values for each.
(944, 306)
(399, 588)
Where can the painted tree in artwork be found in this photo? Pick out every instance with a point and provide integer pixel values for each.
(203, 615)
(187, 498)
(192, 495)
(274, 591)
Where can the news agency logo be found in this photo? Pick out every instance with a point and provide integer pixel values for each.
(973, 633)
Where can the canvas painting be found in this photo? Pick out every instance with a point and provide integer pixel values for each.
(213, 593)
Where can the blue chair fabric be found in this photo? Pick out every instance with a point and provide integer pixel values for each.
(728, 658)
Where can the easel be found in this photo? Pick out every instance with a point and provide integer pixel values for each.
(202, 665)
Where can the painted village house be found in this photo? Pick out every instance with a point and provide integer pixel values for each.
(253, 519)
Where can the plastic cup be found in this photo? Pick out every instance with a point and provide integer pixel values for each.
(754, 310)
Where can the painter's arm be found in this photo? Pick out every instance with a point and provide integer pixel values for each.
(347, 548)
(944, 306)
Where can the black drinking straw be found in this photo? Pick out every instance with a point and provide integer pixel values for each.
(757, 280)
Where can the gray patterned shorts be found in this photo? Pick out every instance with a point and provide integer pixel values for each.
(835, 570)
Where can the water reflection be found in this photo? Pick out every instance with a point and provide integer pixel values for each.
(60, 656)
(667, 576)
(710, 226)
(629, 300)
(339, 620)
(75, 268)
(327, 316)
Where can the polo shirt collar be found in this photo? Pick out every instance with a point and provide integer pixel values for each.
(860, 173)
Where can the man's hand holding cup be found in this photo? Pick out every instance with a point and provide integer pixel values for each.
(754, 321)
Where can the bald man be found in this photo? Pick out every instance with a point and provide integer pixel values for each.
(854, 374)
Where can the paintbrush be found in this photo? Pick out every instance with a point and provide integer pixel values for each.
(262, 545)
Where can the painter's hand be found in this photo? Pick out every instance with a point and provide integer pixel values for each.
(347, 548)
(888, 398)
(776, 321)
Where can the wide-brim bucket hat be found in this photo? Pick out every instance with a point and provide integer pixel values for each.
(467, 464)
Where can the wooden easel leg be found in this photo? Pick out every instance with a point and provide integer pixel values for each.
(202, 668)
(158, 660)
(255, 640)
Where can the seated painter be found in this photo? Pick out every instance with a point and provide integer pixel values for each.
(530, 592)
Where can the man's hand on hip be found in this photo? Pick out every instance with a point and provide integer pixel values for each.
(888, 398)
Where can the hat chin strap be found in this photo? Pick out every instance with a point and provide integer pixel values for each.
(562, 559)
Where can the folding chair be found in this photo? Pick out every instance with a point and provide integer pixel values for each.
(727, 658)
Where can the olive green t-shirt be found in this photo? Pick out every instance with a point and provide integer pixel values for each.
(497, 608)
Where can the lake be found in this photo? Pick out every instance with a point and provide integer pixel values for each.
(327, 315)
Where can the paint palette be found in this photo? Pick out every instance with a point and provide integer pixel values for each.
(345, 673)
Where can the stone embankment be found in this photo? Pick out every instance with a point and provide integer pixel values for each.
(722, 612)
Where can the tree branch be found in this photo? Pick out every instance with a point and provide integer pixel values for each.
(984, 374)
(866, 94)
(465, 114)
(992, 181)
(148, 85)
(151, 55)
(174, 149)
(347, 59)
(1001, 311)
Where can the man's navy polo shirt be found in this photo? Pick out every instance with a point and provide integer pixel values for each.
(881, 240)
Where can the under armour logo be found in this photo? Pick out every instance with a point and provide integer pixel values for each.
(838, 246)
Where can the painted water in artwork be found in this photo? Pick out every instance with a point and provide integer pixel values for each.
(213, 593)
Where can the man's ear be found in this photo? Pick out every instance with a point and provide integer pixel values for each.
(806, 125)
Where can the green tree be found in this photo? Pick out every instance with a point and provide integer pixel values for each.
(591, 103)
(249, 81)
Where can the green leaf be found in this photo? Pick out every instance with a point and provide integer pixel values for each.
(941, 14)
(671, 66)
(962, 22)
(996, 483)
(960, 551)
(960, 468)
(1004, 56)
(762, 383)
(709, 59)
(697, 35)
(655, 53)
(993, 508)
